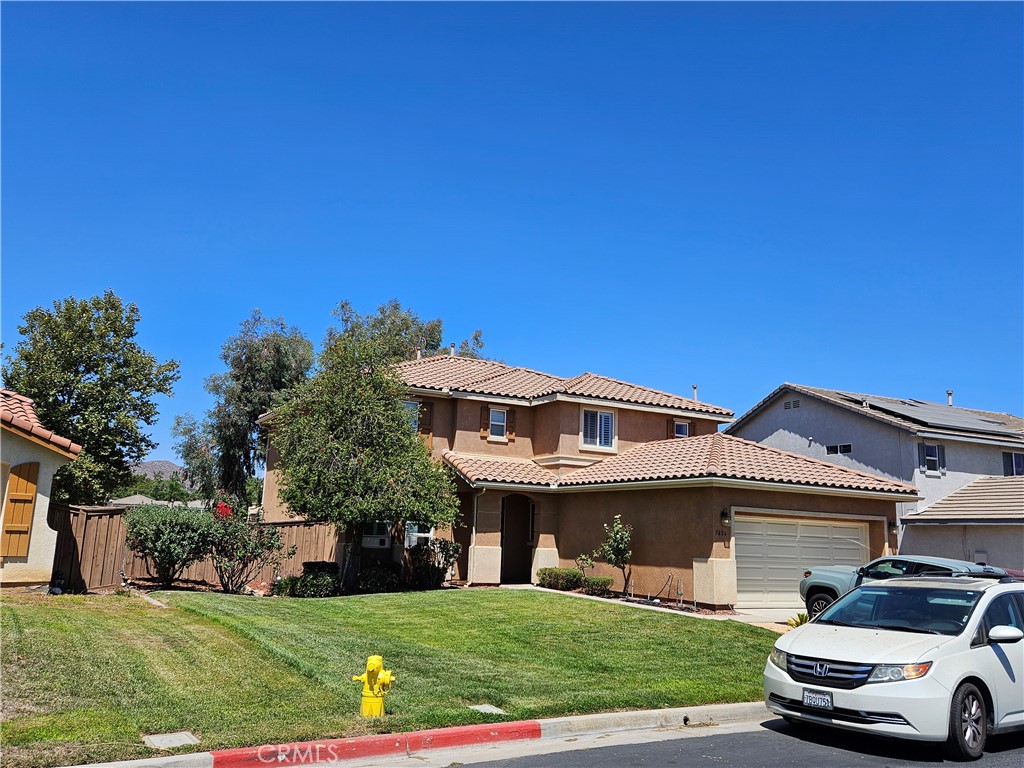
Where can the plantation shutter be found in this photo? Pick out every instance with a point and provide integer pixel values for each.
(21, 502)
(426, 418)
(590, 427)
(510, 425)
(607, 430)
(485, 420)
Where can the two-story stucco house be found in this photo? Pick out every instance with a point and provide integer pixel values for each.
(29, 456)
(543, 462)
(938, 448)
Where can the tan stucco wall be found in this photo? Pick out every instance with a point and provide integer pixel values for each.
(1003, 545)
(673, 527)
(274, 510)
(37, 567)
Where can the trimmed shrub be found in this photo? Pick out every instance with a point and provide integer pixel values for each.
(240, 549)
(378, 578)
(285, 587)
(317, 584)
(597, 585)
(172, 538)
(564, 579)
(429, 563)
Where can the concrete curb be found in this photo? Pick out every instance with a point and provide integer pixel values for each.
(328, 751)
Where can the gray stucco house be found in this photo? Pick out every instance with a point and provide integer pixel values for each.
(938, 448)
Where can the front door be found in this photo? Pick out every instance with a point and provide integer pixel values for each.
(516, 539)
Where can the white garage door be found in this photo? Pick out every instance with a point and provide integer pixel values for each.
(773, 552)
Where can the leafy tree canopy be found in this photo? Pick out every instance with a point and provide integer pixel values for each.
(223, 453)
(348, 452)
(92, 383)
(399, 332)
(158, 487)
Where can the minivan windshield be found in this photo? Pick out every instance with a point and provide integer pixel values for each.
(928, 610)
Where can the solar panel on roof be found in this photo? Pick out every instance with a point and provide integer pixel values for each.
(942, 416)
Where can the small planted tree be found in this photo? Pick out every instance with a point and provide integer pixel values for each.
(240, 549)
(615, 550)
(171, 538)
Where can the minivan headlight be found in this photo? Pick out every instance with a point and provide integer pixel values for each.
(778, 658)
(892, 673)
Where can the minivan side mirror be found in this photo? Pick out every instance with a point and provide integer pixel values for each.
(1004, 634)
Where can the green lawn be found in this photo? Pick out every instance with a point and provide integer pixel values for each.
(85, 677)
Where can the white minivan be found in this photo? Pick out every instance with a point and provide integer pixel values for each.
(927, 658)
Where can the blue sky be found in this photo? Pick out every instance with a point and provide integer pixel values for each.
(731, 195)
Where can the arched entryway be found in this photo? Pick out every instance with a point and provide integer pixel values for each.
(516, 539)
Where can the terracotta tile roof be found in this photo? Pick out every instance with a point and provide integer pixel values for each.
(486, 377)
(19, 413)
(990, 499)
(482, 469)
(706, 456)
(723, 456)
(901, 413)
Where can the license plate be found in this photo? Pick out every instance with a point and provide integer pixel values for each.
(817, 699)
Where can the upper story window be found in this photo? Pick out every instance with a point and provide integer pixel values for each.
(1013, 463)
(931, 458)
(680, 428)
(599, 429)
(498, 423)
(838, 448)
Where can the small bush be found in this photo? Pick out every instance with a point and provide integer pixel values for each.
(800, 618)
(172, 538)
(597, 585)
(429, 563)
(378, 578)
(317, 584)
(564, 579)
(285, 587)
(241, 549)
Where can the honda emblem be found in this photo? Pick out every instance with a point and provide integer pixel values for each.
(820, 669)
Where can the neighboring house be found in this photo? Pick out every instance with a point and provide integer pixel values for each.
(543, 462)
(29, 455)
(936, 448)
(983, 522)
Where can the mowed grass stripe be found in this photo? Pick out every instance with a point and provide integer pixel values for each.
(85, 677)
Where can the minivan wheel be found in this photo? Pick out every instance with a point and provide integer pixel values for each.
(818, 602)
(968, 724)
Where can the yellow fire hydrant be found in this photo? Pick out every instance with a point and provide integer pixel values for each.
(376, 680)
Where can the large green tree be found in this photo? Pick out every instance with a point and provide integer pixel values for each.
(348, 452)
(399, 332)
(264, 360)
(92, 383)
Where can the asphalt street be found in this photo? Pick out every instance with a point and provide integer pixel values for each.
(766, 743)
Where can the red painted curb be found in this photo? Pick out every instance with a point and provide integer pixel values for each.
(333, 750)
(464, 735)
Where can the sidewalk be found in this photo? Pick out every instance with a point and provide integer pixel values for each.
(399, 746)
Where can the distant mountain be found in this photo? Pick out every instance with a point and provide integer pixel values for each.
(153, 468)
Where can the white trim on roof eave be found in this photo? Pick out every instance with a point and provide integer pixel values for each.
(483, 397)
(964, 521)
(610, 402)
(699, 482)
(1004, 442)
(428, 392)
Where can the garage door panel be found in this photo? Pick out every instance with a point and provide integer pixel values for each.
(772, 553)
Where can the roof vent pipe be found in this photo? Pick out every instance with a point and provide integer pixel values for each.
(419, 353)
(694, 392)
(451, 350)
(949, 397)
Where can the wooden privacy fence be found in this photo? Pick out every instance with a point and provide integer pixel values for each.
(91, 553)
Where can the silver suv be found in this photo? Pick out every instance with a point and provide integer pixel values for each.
(822, 584)
(927, 658)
